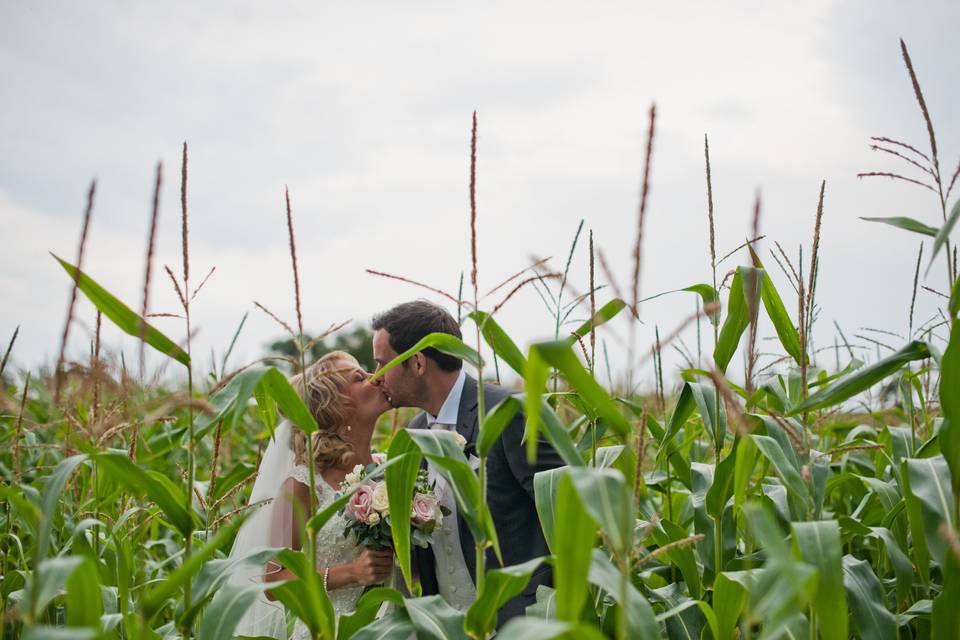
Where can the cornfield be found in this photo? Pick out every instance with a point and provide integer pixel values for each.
(778, 507)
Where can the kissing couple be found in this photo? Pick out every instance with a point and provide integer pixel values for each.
(346, 407)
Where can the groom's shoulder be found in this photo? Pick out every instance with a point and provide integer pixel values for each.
(494, 394)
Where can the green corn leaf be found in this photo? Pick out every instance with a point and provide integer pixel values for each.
(787, 585)
(154, 485)
(556, 434)
(946, 614)
(683, 557)
(443, 342)
(84, 602)
(535, 381)
(866, 599)
(683, 409)
(307, 600)
(561, 356)
(907, 224)
(605, 496)
(401, 478)
(708, 295)
(366, 611)
(433, 618)
(396, 626)
(230, 402)
(706, 292)
(604, 314)
(954, 305)
(267, 408)
(915, 520)
(928, 481)
(49, 632)
(743, 470)
(292, 406)
(524, 628)
(495, 422)
(500, 341)
(788, 473)
(898, 560)
(705, 397)
(818, 543)
(546, 486)
(50, 503)
(641, 623)
(224, 612)
(739, 314)
(157, 596)
(122, 316)
(215, 573)
(944, 233)
(441, 448)
(862, 379)
(235, 476)
(949, 434)
(573, 544)
(723, 483)
(48, 580)
(499, 586)
(786, 331)
(306, 596)
(730, 591)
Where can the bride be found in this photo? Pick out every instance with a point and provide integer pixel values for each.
(346, 409)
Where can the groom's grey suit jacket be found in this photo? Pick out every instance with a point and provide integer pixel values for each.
(509, 496)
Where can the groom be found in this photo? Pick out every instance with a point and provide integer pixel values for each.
(436, 383)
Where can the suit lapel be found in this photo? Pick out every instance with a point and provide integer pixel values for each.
(467, 427)
(467, 412)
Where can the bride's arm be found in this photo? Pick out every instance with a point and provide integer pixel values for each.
(371, 567)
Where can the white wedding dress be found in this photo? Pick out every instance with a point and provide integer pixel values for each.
(271, 525)
(332, 548)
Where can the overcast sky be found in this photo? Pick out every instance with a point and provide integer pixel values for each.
(363, 109)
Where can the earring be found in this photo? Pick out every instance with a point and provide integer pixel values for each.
(348, 428)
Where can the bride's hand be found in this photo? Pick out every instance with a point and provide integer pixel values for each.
(373, 566)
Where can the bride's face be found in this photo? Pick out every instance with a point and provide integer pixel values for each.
(369, 402)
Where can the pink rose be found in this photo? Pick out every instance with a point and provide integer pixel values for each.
(361, 503)
(424, 509)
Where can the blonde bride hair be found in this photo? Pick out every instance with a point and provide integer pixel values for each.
(321, 389)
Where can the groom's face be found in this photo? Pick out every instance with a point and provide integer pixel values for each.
(400, 384)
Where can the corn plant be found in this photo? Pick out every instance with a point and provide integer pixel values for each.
(780, 506)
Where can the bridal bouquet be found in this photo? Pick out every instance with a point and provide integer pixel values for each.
(368, 511)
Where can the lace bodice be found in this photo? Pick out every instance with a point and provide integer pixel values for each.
(332, 547)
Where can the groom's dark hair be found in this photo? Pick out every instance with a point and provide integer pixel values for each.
(409, 322)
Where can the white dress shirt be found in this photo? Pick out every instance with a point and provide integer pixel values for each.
(453, 578)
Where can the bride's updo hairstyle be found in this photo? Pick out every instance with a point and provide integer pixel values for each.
(322, 393)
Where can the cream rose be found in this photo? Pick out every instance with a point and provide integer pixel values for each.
(374, 518)
(461, 441)
(380, 501)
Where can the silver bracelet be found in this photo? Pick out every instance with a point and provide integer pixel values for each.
(326, 574)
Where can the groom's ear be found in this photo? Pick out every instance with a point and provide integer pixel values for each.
(419, 363)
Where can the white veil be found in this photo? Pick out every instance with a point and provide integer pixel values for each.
(270, 526)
